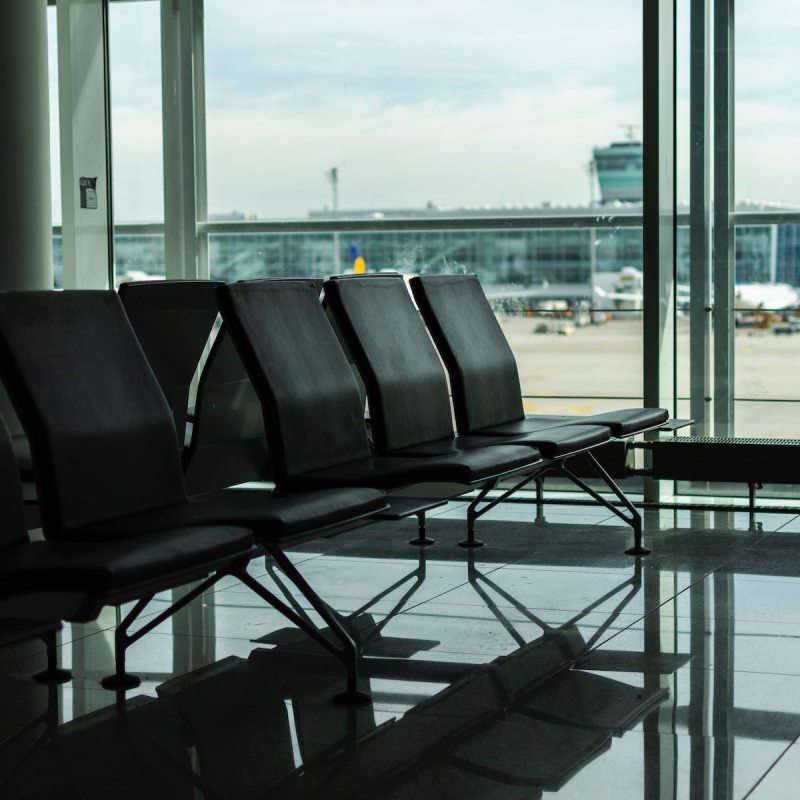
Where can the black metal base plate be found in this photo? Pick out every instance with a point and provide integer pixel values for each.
(352, 698)
(125, 681)
(52, 676)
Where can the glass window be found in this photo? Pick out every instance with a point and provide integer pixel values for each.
(767, 180)
(136, 139)
(433, 111)
(450, 103)
(767, 102)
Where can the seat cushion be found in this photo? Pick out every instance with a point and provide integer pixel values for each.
(624, 422)
(270, 516)
(564, 440)
(629, 421)
(454, 445)
(292, 514)
(556, 442)
(467, 467)
(111, 568)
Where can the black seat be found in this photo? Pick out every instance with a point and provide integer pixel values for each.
(106, 451)
(172, 321)
(313, 412)
(56, 580)
(407, 388)
(487, 397)
(408, 395)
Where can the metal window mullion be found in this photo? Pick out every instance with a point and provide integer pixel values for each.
(177, 76)
(658, 256)
(112, 264)
(200, 150)
(700, 217)
(724, 266)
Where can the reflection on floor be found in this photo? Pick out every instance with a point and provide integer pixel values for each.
(547, 662)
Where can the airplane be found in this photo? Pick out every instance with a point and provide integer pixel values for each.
(774, 297)
(626, 293)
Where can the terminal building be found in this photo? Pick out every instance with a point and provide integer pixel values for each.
(574, 255)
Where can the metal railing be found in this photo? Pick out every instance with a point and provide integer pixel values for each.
(619, 218)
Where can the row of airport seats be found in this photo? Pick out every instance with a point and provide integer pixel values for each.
(107, 453)
(409, 407)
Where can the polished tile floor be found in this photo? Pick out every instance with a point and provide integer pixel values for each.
(545, 663)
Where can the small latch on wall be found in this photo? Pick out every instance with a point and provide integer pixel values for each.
(88, 188)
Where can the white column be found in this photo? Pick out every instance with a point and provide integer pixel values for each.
(85, 146)
(27, 261)
(25, 208)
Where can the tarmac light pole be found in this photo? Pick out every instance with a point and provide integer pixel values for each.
(333, 176)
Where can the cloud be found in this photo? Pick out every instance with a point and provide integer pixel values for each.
(520, 147)
(450, 102)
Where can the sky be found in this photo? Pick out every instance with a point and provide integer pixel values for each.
(457, 104)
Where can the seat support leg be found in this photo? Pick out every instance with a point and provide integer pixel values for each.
(53, 674)
(540, 499)
(422, 539)
(121, 679)
(473, 512)
(347, 653)
(633, 518)
(754, 527)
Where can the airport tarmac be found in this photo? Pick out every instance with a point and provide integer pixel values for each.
(605, 361)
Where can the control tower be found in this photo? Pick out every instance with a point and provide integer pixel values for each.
(619, 170)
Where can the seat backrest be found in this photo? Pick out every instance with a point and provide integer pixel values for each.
(228, 444)
(312, 412)
(483, 372)
(12, 514)
(362, 390)
(406, 385)
(172, 321)
(102, 436)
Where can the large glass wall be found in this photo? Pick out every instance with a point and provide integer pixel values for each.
(737, 106)
(443, 112)
(518, 151)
